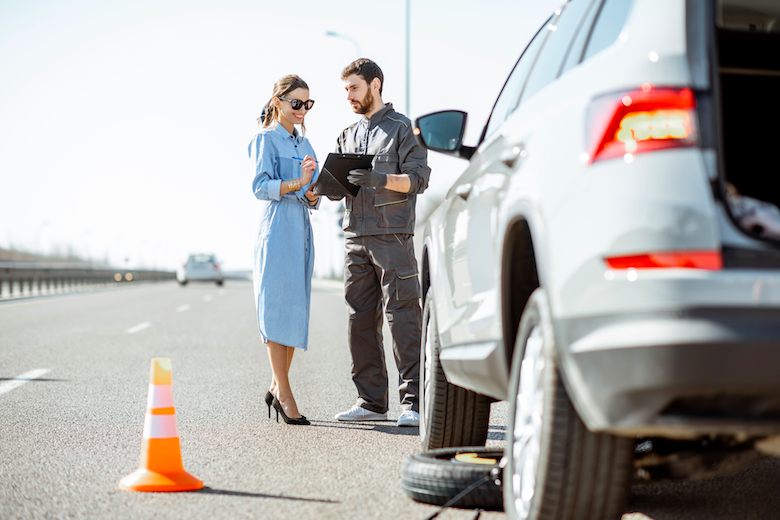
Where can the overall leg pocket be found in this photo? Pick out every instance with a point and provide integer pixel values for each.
(407, 283)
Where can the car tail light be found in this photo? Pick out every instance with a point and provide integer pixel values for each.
(627, 123)
(216, 266)
(712, 260)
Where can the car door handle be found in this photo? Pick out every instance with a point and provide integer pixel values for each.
(463, 190)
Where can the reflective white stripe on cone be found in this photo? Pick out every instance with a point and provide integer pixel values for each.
(160, 426)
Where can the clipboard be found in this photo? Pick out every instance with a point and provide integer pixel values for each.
(333, 177)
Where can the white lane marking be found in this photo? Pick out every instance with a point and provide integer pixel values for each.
(139, 327)
(19, 380)
(182, 308)
(207, 298)
(222, 292)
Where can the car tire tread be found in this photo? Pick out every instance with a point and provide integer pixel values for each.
(459, 417)
(581, 475)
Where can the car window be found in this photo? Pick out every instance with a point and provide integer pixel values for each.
(562, 30)
(577, 45)
(507, 100)
(611, 19)
(200, 259)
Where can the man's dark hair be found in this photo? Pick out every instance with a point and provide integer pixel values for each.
(366, 69)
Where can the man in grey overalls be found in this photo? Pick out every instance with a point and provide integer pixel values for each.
(381, 269)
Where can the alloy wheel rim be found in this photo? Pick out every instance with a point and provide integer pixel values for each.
(527, 434)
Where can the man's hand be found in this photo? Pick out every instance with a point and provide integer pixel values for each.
(367, 178)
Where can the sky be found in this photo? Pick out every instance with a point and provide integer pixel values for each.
(124, 125)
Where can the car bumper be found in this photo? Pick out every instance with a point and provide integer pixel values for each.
(203, 277)
(677, 373)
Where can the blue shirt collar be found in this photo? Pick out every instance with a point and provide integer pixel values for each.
(283, 133)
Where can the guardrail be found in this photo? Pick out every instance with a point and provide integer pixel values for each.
(19, 279)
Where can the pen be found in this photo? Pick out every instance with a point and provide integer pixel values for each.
(301, 158)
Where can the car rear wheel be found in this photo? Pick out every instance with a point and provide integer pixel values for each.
(556, 468)
(449, 415)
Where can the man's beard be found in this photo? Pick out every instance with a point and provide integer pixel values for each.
(366, 104)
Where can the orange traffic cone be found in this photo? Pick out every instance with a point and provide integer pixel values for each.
(161, 467)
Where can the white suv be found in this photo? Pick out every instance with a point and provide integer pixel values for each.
(609, 262)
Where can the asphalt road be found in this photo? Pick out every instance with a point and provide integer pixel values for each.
(68, 437)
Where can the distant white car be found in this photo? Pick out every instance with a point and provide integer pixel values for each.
(200, 268)
(609, 261)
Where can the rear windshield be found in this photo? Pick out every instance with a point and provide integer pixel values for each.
(201, 259)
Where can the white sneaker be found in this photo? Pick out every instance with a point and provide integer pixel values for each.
(356, 413)
(409, 418)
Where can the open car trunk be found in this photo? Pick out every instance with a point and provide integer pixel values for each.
(748, 74)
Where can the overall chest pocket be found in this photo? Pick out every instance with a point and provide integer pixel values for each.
(394, 208)
(386, 163)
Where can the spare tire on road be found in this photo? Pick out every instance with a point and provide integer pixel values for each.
(436, 476)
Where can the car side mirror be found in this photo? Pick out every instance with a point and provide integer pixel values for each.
(443, 132)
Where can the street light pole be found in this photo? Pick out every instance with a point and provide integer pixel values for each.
(346, 37)
(408, 52)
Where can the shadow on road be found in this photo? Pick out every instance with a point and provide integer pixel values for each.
(750, 494)
(379, 426)
(212, 491)
(495, 433)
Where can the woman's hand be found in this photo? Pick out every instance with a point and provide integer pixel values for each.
(310, 196)
(307, 168)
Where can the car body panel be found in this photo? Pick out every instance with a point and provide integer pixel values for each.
(536, 168)
(469, 309)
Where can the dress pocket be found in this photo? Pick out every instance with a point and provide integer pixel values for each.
(407, 283)
(288, 168)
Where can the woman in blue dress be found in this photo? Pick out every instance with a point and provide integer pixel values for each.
(285, 169)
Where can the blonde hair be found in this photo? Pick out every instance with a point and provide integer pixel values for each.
(282, 87)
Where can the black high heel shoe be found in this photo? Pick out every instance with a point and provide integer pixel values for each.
(299, 421)
(269, 399)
